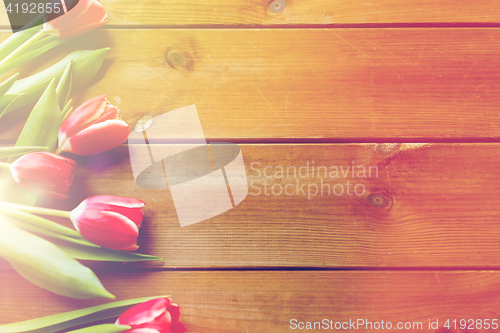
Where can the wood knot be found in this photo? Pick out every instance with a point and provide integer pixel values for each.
(276, 6)
(177, 59)
(379, 199)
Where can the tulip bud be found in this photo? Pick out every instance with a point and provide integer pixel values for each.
(92, 128)
(109, 221)
(44, 173)
(76, 20)
(156, 315)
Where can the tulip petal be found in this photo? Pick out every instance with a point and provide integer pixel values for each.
(98, 138)
(132, 248)
(116, 201)
(129, 207)
(44, 173)
(52, 185)
(178, 328)
(134, 214)
(109, 112)
(85, 16)
(43, 165)
(143, 330)
(174, 311)
(164, 321)
(108, 229)
(85, 114)
(144, 313)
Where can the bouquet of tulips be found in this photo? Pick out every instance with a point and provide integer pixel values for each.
(106, 227)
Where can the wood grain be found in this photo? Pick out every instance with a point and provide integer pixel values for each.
(175, 13)
(359, 85)
(267, 301)
(430, 206)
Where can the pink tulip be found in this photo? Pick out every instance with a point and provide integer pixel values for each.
(92, 128)
(76, 20)
(44, 173)
(109, 221)
(158, 315)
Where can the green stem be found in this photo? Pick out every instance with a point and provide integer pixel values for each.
(37, 210)
(44, 227)
(17, 52)
(34, 51)
(4, 165)
(103, 328)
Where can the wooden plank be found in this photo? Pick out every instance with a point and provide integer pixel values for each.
(268, 301)
(175, 13)
(430, 206)
(339, 84)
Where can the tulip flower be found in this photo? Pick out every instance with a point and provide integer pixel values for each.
(158, 315)
(76, 20)
(92, 128)
(67, 19)
(109, 221)
(43, 173)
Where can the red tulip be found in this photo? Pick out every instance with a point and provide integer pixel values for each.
(93, 127)
(76, 20)
(109, 221)
(44, 173)
(158, 315)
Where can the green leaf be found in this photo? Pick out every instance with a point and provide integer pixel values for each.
(17, 39)
(86, 65)
(66, 320)
(64, 86)
(45, 265)
(104, 328)
(66, 111)
(34, 51)
(9, 107)
(47, 233)
(18, 151)
(44, 227)
(7, 84)
(10, 191)
(39, 221)
(81, 252)
(42, 125)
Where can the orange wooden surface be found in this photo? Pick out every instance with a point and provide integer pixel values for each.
(266, 301)
(349, 85)
(442, 205)
(251, 13)
(288, 87)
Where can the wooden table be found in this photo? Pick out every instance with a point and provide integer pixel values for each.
(295, 82)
